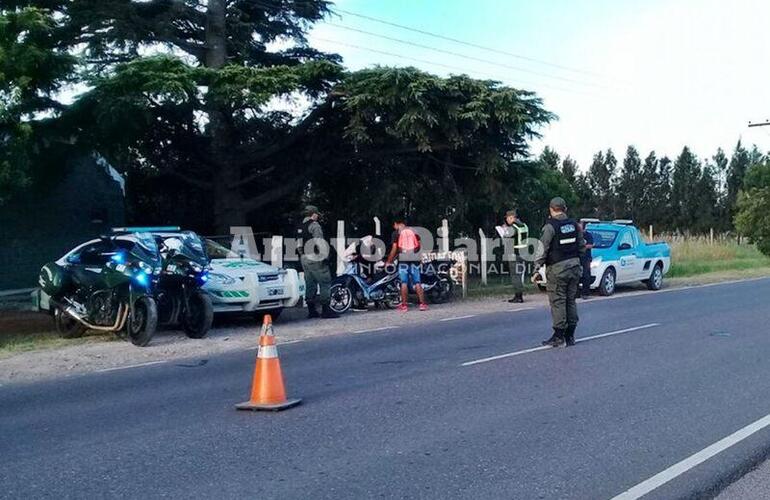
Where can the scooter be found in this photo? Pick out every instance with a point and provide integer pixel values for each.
(353, 289)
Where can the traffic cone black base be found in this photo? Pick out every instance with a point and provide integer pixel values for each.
(285, 405)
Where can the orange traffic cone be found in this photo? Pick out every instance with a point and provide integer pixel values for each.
(267, 391)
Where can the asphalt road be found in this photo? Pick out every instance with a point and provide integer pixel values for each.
(395, 414)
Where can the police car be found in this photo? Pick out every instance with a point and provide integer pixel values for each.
(621, 256)
(241, 284)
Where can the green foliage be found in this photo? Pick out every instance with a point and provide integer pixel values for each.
(32, 70)
(431, 112)
(754, 206)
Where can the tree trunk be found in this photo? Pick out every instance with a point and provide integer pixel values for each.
(228, 199)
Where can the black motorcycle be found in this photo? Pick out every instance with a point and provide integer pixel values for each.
(105, 285)
(185, 269)
(436, 281)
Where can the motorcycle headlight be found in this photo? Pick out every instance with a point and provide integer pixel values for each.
(142, 278)
(220, 279)
(196, 267)
(145, 267)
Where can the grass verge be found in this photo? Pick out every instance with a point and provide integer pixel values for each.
(11, 343)
(697, 256)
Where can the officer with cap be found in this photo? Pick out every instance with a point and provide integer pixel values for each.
(516, 266)
(318, 278)
(562, 247)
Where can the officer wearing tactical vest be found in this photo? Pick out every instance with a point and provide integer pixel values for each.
(516, 266)
(562, 246)
(318, 278)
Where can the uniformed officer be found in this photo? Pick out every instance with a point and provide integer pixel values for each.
(516, 266)
(585, 262)
(318, 278)
(562, 246)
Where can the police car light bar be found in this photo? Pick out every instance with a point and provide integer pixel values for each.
(625, 222)
(148, 229)
(589, 220)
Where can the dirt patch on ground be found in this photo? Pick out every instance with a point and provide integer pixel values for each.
(24, 322)
(228, 335)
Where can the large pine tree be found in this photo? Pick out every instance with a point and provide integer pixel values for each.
(227, 108)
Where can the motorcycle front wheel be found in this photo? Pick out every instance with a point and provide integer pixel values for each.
(197, 318)
(392, 295)
(67, 326)
(142, 322)
(442, 292)
(340, 298)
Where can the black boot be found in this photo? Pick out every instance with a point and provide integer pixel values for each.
(327, 313)
(569, 335)
(556, 340)
(312, 312)
(517, 299)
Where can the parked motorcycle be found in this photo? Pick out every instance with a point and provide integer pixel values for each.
(436, 281)
(106, 285)
(185, 268)
(354, 289)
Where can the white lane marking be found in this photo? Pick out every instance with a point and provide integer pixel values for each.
(297, 341)
(508, 355)
(380, 329)
(543, 348)
(458, 317)
(130, 366)
(692, 461)
(522, 309)
(617, 332)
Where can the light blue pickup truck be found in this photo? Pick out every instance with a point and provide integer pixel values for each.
(621, 256)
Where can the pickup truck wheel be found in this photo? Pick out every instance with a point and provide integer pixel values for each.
(607, 284)
(656, 278)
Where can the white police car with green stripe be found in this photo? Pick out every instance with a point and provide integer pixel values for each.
(241, 284)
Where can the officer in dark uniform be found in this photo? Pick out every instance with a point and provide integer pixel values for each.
(585, 262)
(562, 247)
(318, 278)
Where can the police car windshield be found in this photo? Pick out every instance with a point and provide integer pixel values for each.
(217, 251)
(603, 238)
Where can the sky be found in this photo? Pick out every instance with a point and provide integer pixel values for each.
(656, 74)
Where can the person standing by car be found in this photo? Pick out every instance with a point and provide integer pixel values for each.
(512, 228)
(585, 262)
(562, 247)
(318, 278)
(405, 244)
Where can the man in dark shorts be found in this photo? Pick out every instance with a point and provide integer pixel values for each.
(405, 245)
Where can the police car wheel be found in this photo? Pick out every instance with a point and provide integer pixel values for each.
(656, 278)
(607, 284)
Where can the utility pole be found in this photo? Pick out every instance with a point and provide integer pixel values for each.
(762, 124)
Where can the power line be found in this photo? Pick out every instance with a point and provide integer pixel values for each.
(447, 66)
(464, 56)
(762, 124)
(466, 43)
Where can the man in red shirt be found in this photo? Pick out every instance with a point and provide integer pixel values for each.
(405, 244)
